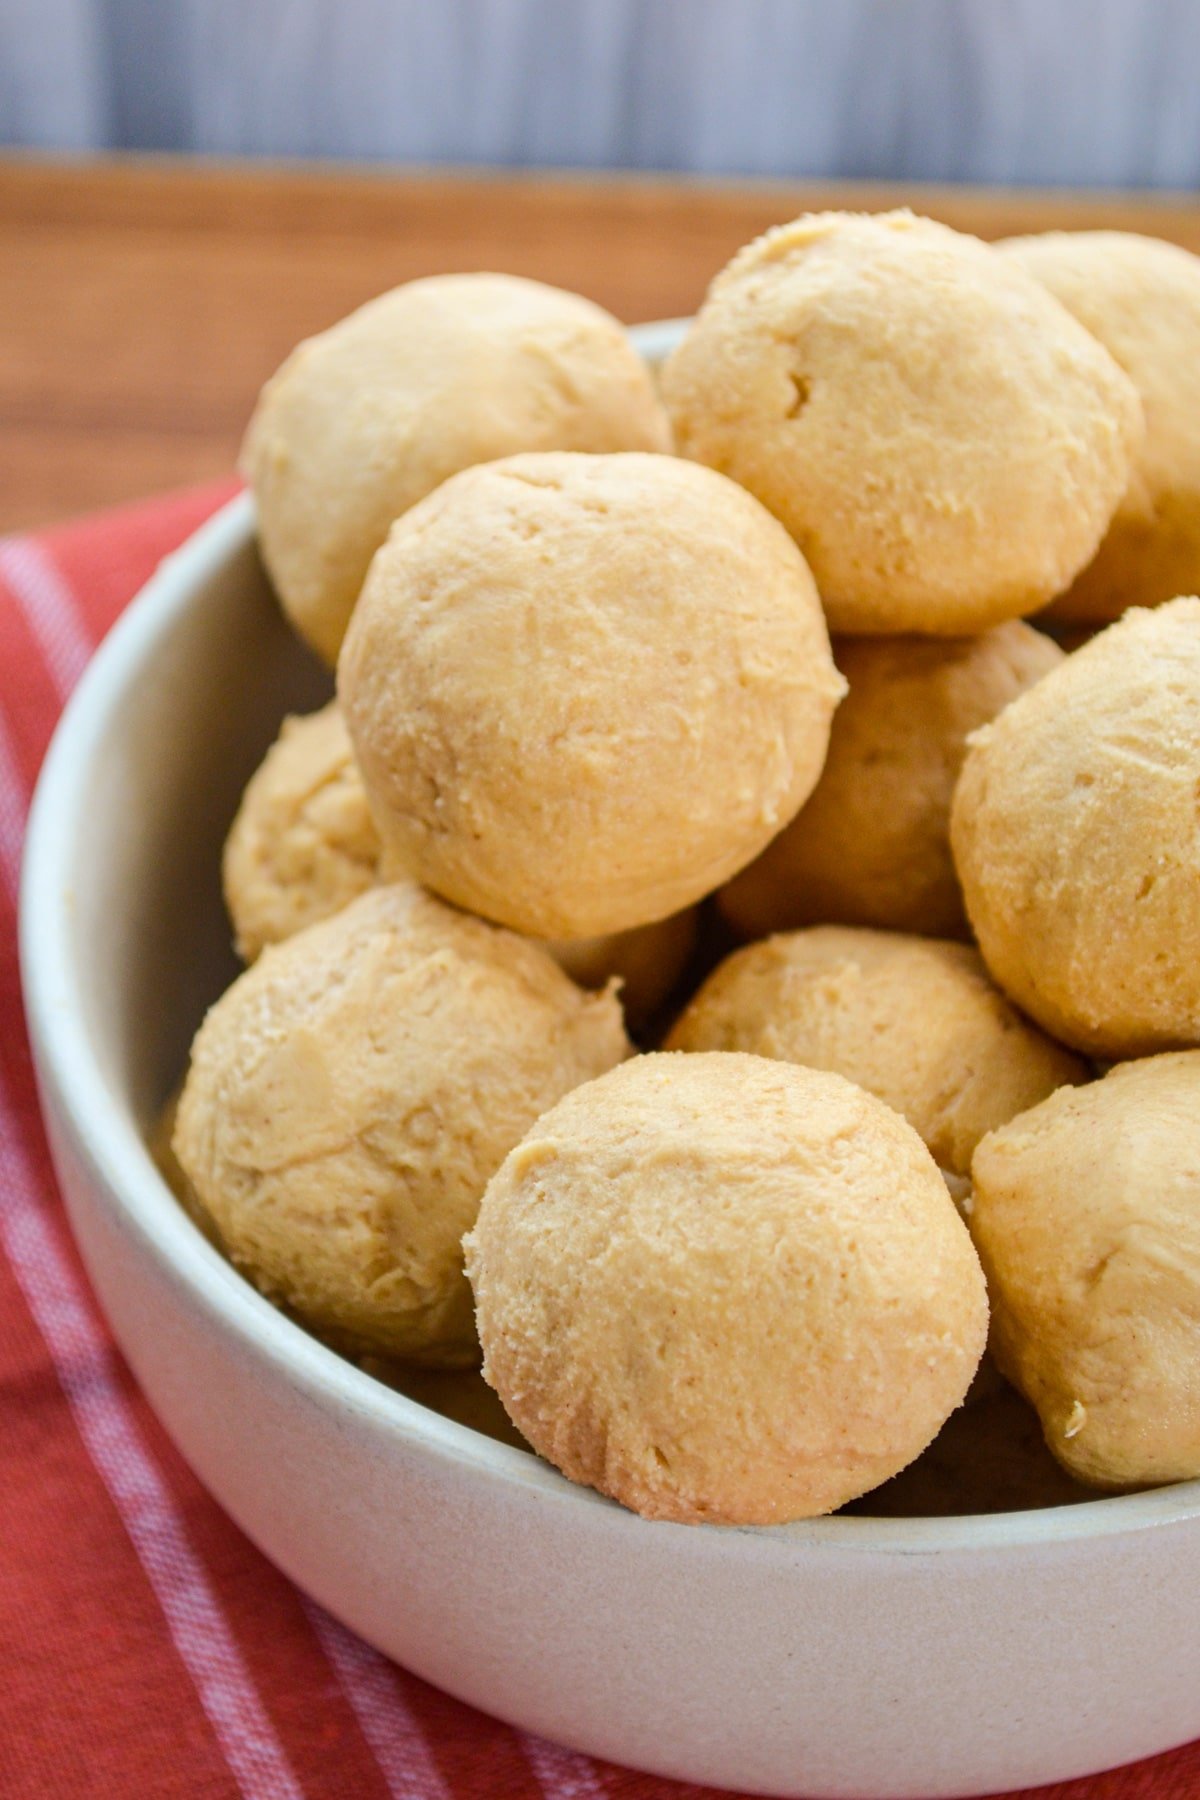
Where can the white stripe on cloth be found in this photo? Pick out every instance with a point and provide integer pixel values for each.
(85, 1368)
(49, 606)
(87, 1371)
(369, 1683)
(562, 1774)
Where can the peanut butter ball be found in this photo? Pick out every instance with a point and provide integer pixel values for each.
(350, 1096)
(871, 845)
(915, 1022)
(1074, 831)
(724, 1289)
(943, 440)
(583, 691)
(1141, 299)
(365, 419)
(303, 844)
(1086, 1214)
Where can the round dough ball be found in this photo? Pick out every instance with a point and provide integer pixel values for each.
(364, 420)
(585, 690)
(303, 844)
(944, 442)
(1141, 298)
(915, 1022)
(1086, 1214)
(726, 1289)
(350, 1096)
(647, 961)
(1074, 831)
(871, 845)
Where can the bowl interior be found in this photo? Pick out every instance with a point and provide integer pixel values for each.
(151, 939)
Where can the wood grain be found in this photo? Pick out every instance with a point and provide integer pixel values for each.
(143, 303)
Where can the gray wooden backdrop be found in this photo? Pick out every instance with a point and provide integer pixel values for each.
(1091, 92)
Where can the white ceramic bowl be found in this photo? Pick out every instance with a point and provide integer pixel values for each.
(843, 1657)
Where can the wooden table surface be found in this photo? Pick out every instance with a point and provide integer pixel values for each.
(143, 303)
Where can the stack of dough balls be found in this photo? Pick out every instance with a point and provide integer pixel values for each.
(365, 420)
(592, 735)
(304, 844)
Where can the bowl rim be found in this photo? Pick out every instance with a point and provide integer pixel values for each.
(119, 1163)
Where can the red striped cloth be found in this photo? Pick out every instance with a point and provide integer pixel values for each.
(146, 1648)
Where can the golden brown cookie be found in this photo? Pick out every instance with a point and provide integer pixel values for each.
(944, 442)
(914, 1021)
(871, 844)
(303, 844)
(585, 690)
(351, 1094)
(1086, 1214)
(365, 419)
(1074, 831)
(725, 1289)
(1141, 299)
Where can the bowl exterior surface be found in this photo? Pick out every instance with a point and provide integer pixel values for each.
(775, 1664)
